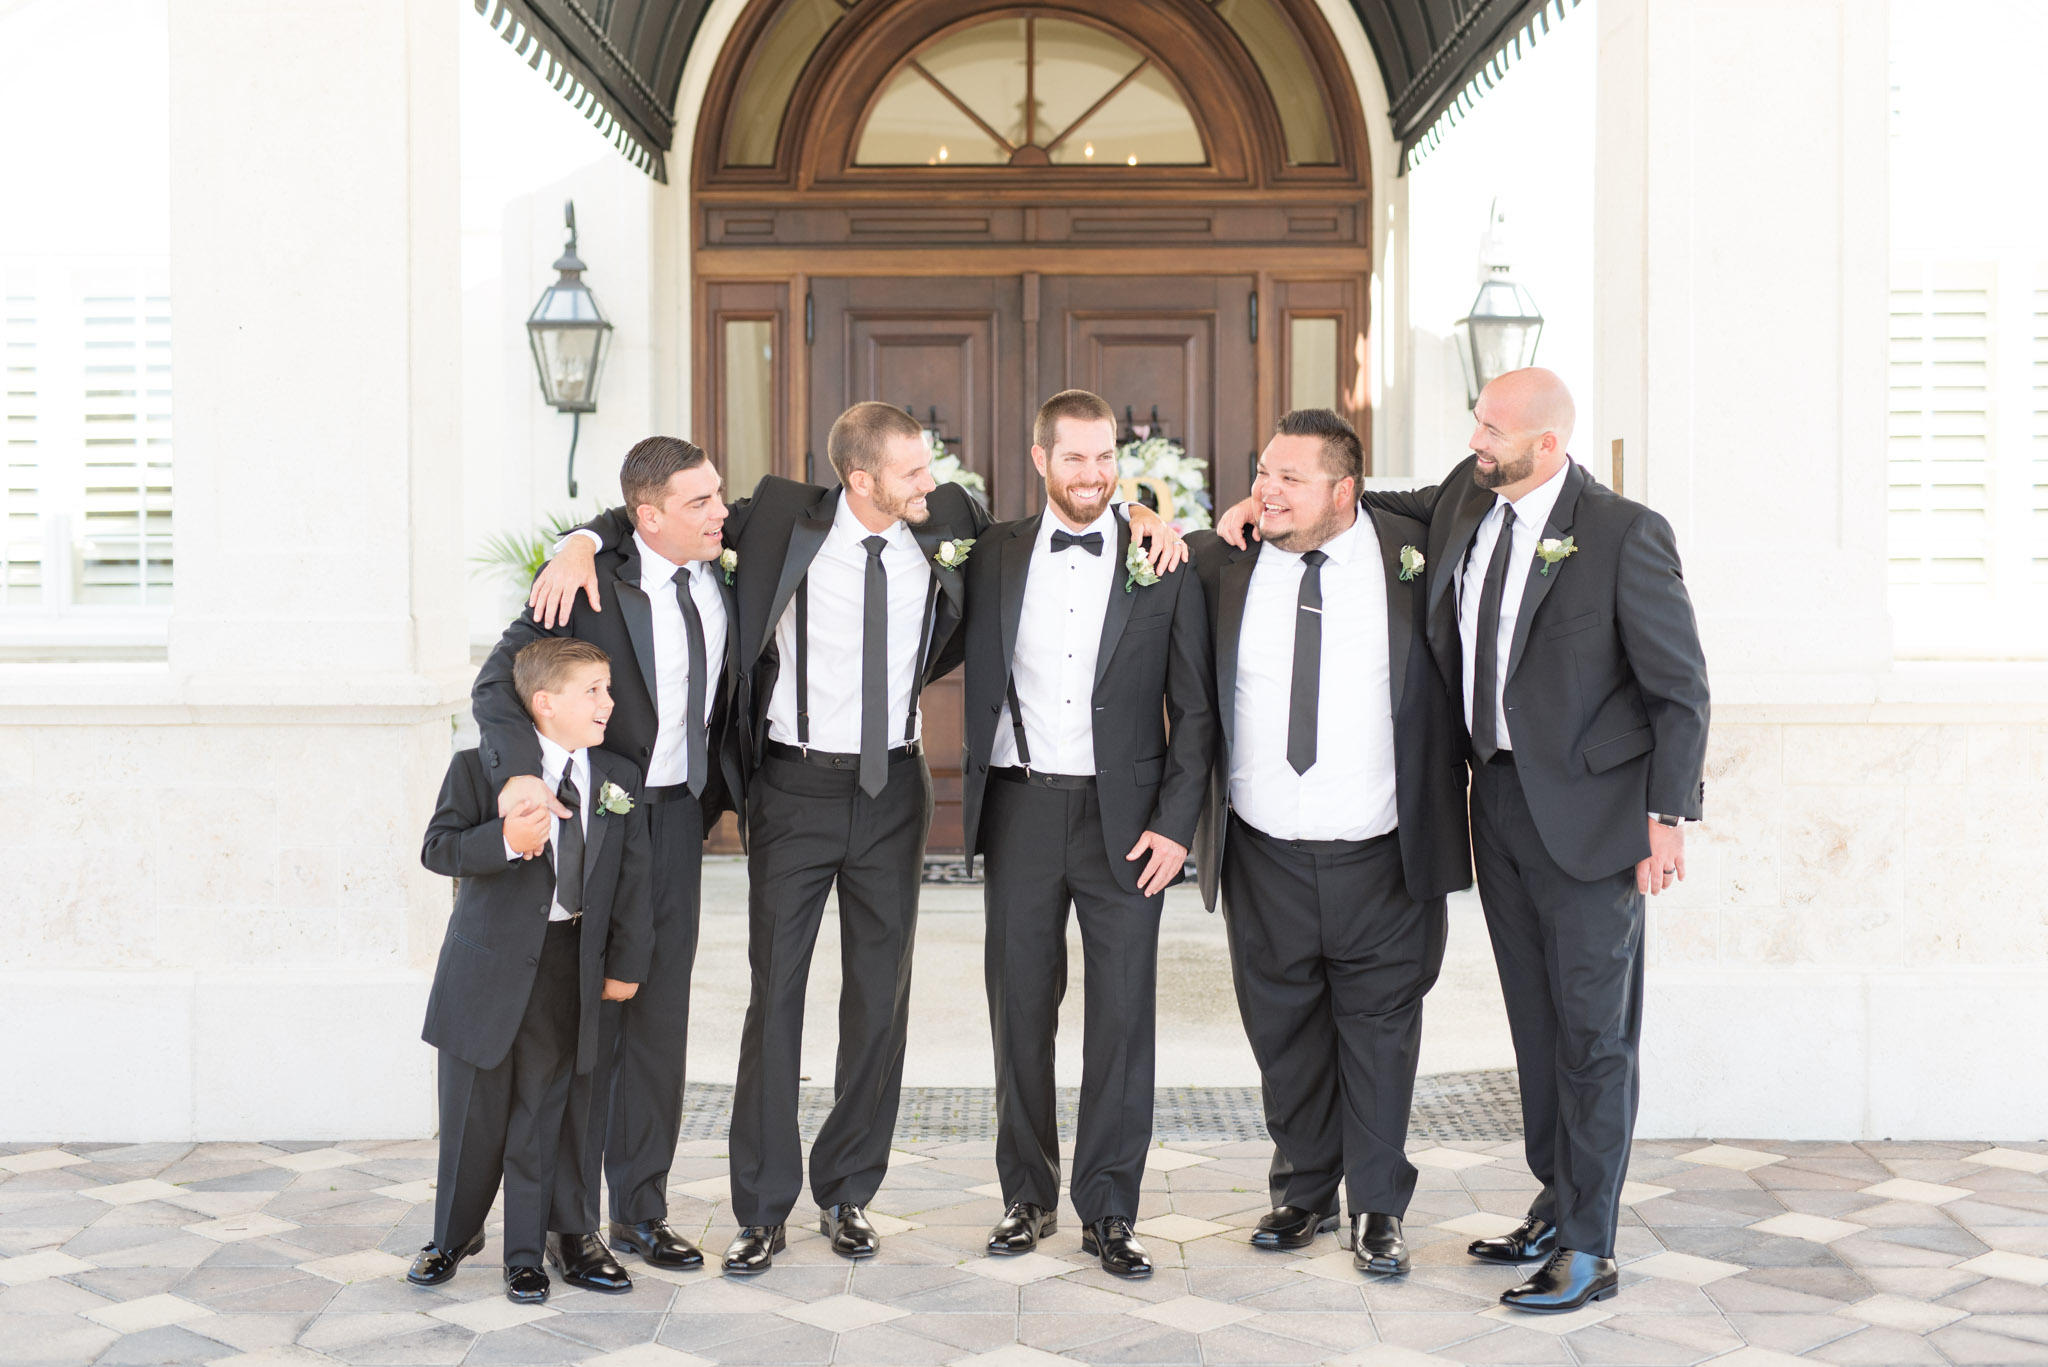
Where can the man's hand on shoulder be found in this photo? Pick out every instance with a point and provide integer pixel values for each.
(554, 588)
(1239, 523)
(1163, 545)
(523, 791)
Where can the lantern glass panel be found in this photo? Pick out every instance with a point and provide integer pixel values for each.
(569, 361)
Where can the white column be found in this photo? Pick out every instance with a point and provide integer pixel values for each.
(218, 881)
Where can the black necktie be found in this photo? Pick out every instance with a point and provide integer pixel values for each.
(1091, 542)
(693, 724)
(1308, 664)
(569, 845)
(1486, 651)
(874, 673)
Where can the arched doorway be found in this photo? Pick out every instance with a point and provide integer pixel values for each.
(962, 206)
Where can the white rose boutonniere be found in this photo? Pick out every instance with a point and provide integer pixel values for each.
(953, 554)
(1139, 573)
(1553, 550)
(728, 560)
(612, 798)
(1411, 563)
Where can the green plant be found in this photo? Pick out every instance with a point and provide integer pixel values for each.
(519, 555)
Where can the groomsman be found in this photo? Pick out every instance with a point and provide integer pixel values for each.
(1561, 607)
(669, 640)
(1335, 826)
(1088, 705)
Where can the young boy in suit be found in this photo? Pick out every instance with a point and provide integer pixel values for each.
(551, 916)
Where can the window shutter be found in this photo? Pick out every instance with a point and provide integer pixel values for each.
(1940, 431)
(21, 523)
(123, 531)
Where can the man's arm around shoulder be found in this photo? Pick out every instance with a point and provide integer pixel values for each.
(465, 837)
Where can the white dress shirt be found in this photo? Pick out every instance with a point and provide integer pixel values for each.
(670, 762)
(552, 760)
(1066, 596)
(1348, 793)
(837, 584)
(1531, 513)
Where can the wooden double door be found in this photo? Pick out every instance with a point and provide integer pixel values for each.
(975, 356)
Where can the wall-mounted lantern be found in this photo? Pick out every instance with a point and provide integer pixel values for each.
(570, 336)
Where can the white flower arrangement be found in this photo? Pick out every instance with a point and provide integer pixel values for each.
(728, 560)
(1412, 562)
(1553, 550)
(612, 798)
(953, 554)
(947, 469)
(1181, 479)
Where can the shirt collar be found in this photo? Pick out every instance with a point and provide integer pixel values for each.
(844, 521)
(1105, 524)
(1535, 506)
(553, 759)
(655, 568)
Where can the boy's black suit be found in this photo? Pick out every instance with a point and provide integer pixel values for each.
(637, 1113)
(1153, 720)
(514, 1006)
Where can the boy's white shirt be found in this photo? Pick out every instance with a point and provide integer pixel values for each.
(553, 759)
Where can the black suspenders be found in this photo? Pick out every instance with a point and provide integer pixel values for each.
(803, 661)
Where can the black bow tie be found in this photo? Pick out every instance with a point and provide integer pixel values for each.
(1091, 542)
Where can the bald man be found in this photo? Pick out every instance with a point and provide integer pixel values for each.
(1560, 607)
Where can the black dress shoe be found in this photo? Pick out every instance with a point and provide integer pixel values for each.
(1291, 1227)
(587, 1263)
(657, 1243)
(433, 1266)
(846, 1225)
(753, 1249)
(1525, 1243)
(1566, 1282)
(1376, 1244)
(1020, 1229)
(526, 1285)
(1111, 1240)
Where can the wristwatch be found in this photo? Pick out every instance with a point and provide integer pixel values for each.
(1663, 820)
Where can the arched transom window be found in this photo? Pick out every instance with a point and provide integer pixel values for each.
(1030, 91)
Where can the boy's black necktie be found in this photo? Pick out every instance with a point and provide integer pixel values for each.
(569, 846)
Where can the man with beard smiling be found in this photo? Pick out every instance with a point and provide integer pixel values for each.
(1088, 706)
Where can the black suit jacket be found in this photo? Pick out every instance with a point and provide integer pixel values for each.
(1151, 762)
(1606, 699)
(492, 949)
(1430, 747)
(625, 631)
(776, 534)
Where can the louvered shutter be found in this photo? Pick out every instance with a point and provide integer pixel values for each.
(1940, 430)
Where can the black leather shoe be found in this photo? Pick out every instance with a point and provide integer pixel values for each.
(1020, 1229)
(754, 1248)
(433, 1266)
(526, 1285)
(1376, 1244)
(1291, 1227)
(1568, 1281)
(657, 1243)
(1525, 1243)
(1111, 1240)
(587, 1263)
(846, 1225)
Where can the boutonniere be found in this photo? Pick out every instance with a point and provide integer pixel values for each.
(1552, 550)
(1139, 571)
(1411, 563)
(953, 554)
(612, 798)
(728, 560)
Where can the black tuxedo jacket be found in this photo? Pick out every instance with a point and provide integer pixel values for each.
(625, 631)
(1430, 746)
(1151, 762)
(492, 949)
(776, 534)
(1606, 699)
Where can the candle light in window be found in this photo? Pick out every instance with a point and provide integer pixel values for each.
(1131, 160)
(942, 154)
(1088, 150)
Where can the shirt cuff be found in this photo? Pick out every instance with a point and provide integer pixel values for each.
(512, 856)
(596, 541)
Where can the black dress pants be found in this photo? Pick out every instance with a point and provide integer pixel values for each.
(1570, 955)
(635, 1107)
(509, 1121)
(1332, 959)
(1045, 850)
(807, 828)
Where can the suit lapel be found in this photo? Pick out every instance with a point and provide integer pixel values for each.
(1120, 604)
(639, 615)
(729, 595)
(1015, 569)
(928, 539)
(1400, 608)
(1539, 584)
(599, 823)
(1233, 586)
(806, 535)
(1441, 621)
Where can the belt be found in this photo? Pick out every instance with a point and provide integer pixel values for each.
(1037, 780)
(668, 792)
(1316, 846)
(829, 759)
